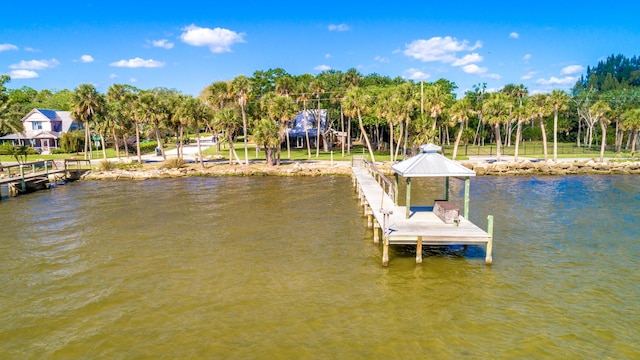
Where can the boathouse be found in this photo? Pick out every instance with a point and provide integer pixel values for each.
(440, 223)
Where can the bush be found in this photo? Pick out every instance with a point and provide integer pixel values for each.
(173, 163)
(72, 142)
(6, 148)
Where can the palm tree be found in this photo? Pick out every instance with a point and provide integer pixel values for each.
(193, 112)
(229, 120)
(7, 123)
(496, 111)
(559, 100)
(317, 88)
(540, 108)
(460, 113)
(87, 104)
(437, 100)
(522, 113)
(266, 135)
(631, 121)
(302, 90)
(599, 111)
(357, 102)
(281, 109)
(241, 87)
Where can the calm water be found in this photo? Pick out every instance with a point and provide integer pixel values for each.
(284, 268)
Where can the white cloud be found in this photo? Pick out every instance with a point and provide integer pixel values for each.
(381, 59)
(23, 74)
(339, 27)
(138, 62)
(162, 43)
(493, 76)
(415, 74)
(474, 69)
(133, 80)
(327, 56)
(6, 47)
(113, 76)
(218, 40)
(571, 69)
(441, 49)
(322, 67)
(514, 35)
(554, 81)
(86, 58)
(35, 64)
(526, 57)
(30, 49)
(528, 75)
(468, 59)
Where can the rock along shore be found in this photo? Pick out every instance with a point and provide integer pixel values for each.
(313, 168)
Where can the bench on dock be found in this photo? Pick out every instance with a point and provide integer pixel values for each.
(447, 212)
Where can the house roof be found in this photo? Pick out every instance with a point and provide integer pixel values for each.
(429, 163)
(307, 121)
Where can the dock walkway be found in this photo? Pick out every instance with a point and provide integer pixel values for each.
(422, 227)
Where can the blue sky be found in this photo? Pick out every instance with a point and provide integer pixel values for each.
(187, 45)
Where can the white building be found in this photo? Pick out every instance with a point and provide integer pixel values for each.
(43, 129)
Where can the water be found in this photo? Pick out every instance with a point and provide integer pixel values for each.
(285, 268)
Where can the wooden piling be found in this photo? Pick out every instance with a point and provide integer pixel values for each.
(489, 250)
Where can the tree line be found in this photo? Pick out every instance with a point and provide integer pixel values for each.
(385, 114)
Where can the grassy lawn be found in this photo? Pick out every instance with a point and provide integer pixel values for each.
(527, 150)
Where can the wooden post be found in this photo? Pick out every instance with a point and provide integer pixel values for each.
(23, 184)
(408, 204)
(467, 182)
(489, 256)
(385, 236)
(395, 188)
(376, 230)
(446, 188)
(419, 251)
(385, 252)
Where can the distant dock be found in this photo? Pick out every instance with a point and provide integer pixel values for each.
(17, 179)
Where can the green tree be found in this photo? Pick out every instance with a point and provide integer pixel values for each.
(631, 122)
(241, 87)
(600, 112)
(357, 102)
(460, 113)
(496, 112)
(230, 121)
(558, 101)
(88, 103)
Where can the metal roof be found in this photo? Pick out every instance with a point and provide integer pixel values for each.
(429, 163)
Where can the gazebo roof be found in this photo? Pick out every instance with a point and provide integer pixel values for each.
(429, 163)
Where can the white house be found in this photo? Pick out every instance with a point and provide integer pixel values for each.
(43, 129)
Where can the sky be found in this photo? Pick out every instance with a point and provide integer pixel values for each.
(187, 45)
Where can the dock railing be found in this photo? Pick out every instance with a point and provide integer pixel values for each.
(387, 185)
(28, 168)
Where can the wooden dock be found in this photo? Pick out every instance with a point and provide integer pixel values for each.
(421, 228)
(24, 178)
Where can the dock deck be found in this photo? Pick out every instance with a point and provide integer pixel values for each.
(422, 227)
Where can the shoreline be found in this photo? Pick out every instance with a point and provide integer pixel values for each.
(343, 168)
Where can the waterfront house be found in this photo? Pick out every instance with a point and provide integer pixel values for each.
(42, 129)
(306, 122)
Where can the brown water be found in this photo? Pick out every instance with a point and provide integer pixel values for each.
(284, 268)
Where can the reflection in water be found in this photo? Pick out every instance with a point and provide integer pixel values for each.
(285, 268)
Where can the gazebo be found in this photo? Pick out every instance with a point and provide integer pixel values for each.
(430, 163)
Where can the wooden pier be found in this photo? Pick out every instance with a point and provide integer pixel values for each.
(28, 177)
(418, 226)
